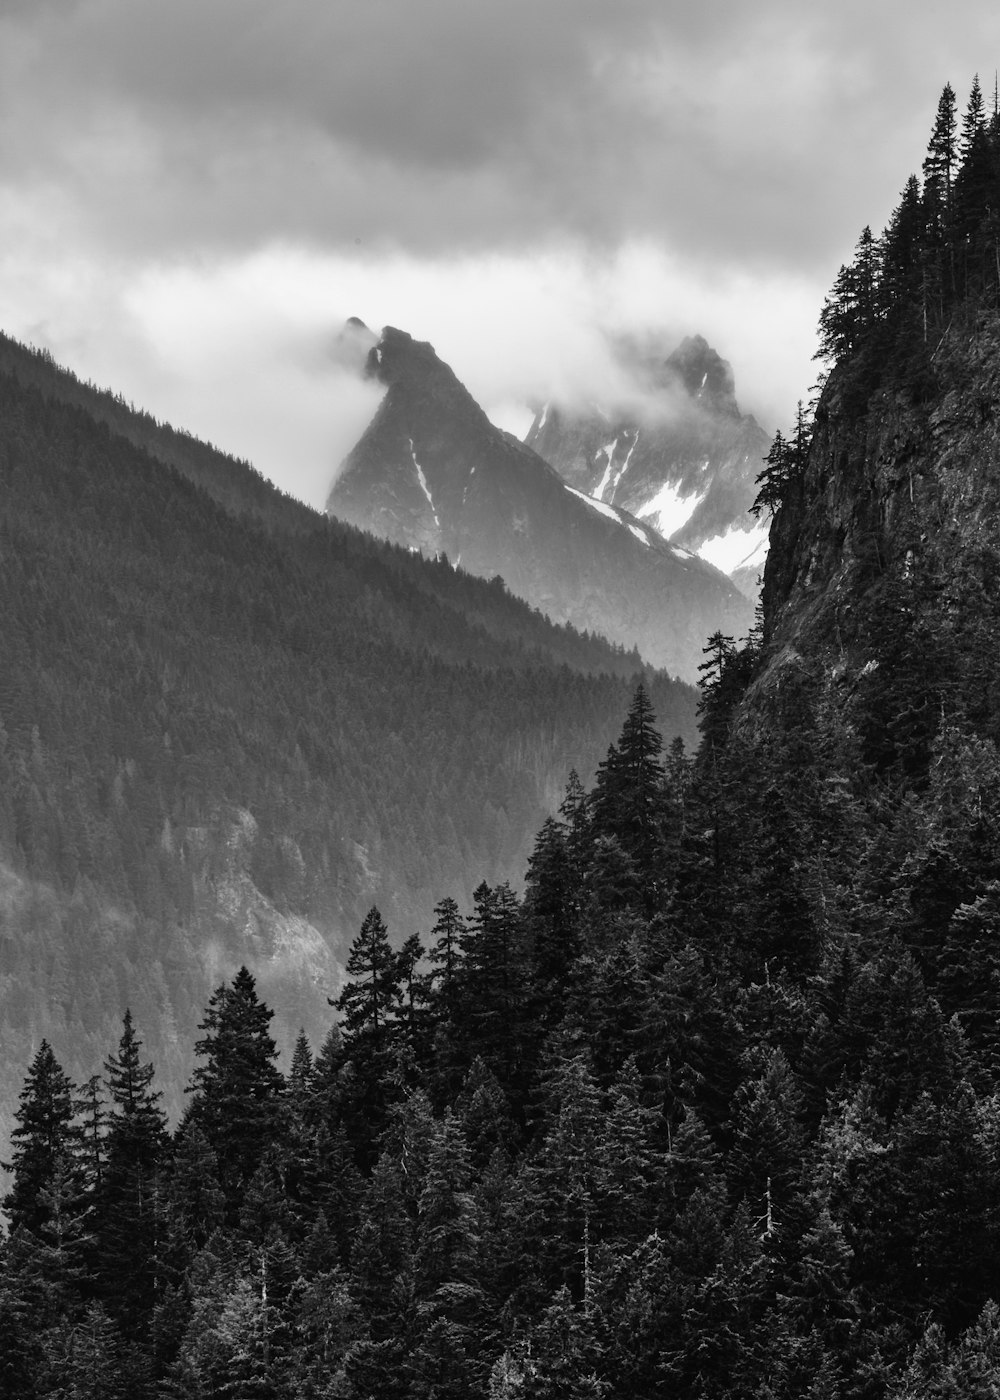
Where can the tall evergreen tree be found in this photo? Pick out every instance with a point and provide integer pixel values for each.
(552, 913)
(494, 984)
(445, 954)
(416, 1011)
(628, 802)
(237, 1089)
(128, 1204)
(369, 1004)
(44, 1137)
(940, 161)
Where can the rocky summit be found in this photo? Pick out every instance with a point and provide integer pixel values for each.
(433, 474)
(678, 453)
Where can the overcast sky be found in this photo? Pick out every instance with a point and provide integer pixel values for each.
(194, 195)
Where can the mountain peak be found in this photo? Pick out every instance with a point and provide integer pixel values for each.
(432, 473)
(352, 344)
(683, 458)
(706, 376)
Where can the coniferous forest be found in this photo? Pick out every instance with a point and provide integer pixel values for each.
(711, 1109)
(228, 726)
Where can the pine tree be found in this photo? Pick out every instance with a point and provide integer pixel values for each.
(382, 1250)
(369, 1003)
(416, 1013)
(445, 956)
(369, 1024)
(784, 466)
(447, 1231)
(563, 1180)
(45, 1135)
(552, 914)
(484, 1112)
(197, 1204)
(300, 1075)
(902, 245)
(973, 121)
(298, 1147)
(127, 1204)
(93, 1125)
(493, 1018)
(855, 303)
(631, 1167)
(939, 163)
(628, 802)
(765, 1161)
(975, 184)
(238, 1089)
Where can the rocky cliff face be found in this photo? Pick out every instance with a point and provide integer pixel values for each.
(680, 456)
(884, 563)
(432, 473)
(894, 493)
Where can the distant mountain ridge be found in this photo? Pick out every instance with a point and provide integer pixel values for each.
(681, 456)
(433, 474)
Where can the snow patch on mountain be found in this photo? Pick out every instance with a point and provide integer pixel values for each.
(423, 484)
(597, 505)
(608, 450)
(736, 548)
(669, 509)
(610, 481)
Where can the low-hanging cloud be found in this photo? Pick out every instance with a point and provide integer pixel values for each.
(194, 196)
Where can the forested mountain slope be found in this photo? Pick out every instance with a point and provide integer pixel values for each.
(221, 735)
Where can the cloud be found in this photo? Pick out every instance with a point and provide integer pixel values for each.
(245, 351)
(730, 132)
(193, 196)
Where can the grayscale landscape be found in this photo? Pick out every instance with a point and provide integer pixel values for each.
(499, 701)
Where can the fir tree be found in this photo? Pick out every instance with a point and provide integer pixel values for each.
(552, 913)
(45, 1136)
(127, 1204)
(628, 803)
(238, 1089)
(939, 163)
(494, 982)
(445, 955)
(784, 466)
(369, 1003)
(369, 1023)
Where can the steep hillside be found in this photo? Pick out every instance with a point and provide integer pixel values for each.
(432, 473)
(221, 739)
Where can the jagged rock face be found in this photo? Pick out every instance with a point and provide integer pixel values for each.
(433, 473)
(893, 528)
(681, 457)
(847, 528)
(353, 343)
